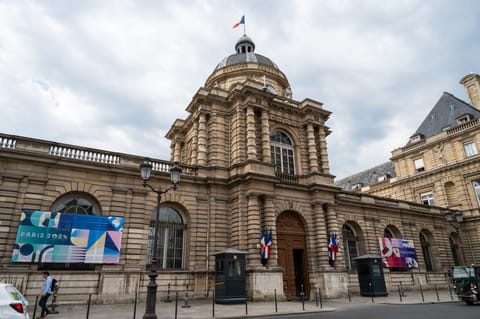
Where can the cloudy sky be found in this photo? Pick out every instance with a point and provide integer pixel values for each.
(115, 75)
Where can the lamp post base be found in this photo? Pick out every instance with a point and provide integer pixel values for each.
(150, 311)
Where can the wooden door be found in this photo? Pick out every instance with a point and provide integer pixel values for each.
(292, 254)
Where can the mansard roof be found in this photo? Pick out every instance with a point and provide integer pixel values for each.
(444, 115)
(367, 177)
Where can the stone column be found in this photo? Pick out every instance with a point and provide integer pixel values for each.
(321, 236)
(178, 151)
(323, 151)
(202, 140)
(251, 136)
(312, 149)
(253, 230)
(193, 159)
(266, 137)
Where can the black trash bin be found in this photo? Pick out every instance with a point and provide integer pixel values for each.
(370, 275)
(230, 276)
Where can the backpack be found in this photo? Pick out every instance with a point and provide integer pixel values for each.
(54, 285)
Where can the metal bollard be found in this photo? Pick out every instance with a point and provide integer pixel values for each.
(168, 295)
(35, 308)
(186, 305)
(320, 295)
(246, 303)
(349, 295)
(302, 294)
(135, 303)
(276, 305)
(450, 290)
(213, 303)
(176, 304)
(400, 294)
(316, 298)
(421, 291)
(436, 291)
(88, 306)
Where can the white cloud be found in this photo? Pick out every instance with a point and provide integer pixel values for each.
(115, 75)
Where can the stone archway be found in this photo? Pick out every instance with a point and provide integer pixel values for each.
(292, 254)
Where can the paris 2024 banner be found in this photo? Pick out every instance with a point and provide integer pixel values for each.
(398, 253)
(49, 237)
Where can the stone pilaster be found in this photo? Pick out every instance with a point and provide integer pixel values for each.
(202, 140)
(266, 137)
(312, 149)
(253, 230)
(320, 237)
(251, 136)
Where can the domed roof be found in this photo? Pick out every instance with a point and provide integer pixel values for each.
(245, 49)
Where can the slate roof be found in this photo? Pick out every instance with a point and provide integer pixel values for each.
(444, 114)
(368, 177)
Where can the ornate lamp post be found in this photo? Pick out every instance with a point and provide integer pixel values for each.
(145, 172)
(449, 215)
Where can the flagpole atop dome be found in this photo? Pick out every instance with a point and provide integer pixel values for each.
(244, 32)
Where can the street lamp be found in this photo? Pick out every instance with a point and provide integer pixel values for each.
(449, 216)
(459, 219)
(145, 172)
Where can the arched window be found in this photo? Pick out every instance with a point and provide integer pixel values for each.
(282, 152)
(387, 233)
(76, 203)
(73, 203)
(391, 232)
(455, 247)
(426, 252)
(350, 245)
(170, 244)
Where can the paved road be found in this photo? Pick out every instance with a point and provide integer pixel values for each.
(452, 310)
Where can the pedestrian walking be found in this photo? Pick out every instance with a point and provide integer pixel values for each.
(45, 293)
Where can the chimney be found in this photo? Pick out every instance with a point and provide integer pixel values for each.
(471, 82)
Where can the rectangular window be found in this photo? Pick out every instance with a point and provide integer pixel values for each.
(427, 199)
(419, 167)
(470, 148)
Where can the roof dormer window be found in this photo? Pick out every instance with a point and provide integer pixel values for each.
(357, 187)
(416, 138)
(463, 119)
(383, 177)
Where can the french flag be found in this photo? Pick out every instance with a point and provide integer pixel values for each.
(332, 247)
(266, 244)
(242, 21)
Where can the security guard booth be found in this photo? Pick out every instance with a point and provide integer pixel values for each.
(370, 275)
(230, 276)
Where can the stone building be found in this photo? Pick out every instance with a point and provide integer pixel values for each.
(252, 157)
(439, 165)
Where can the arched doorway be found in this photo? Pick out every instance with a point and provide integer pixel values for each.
(292, 254)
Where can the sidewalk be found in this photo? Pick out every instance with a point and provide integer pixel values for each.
(203, 309)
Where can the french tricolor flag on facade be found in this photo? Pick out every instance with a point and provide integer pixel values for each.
(266, 244)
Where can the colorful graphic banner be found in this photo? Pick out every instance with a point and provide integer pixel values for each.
(398, 253)
(47, 237)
